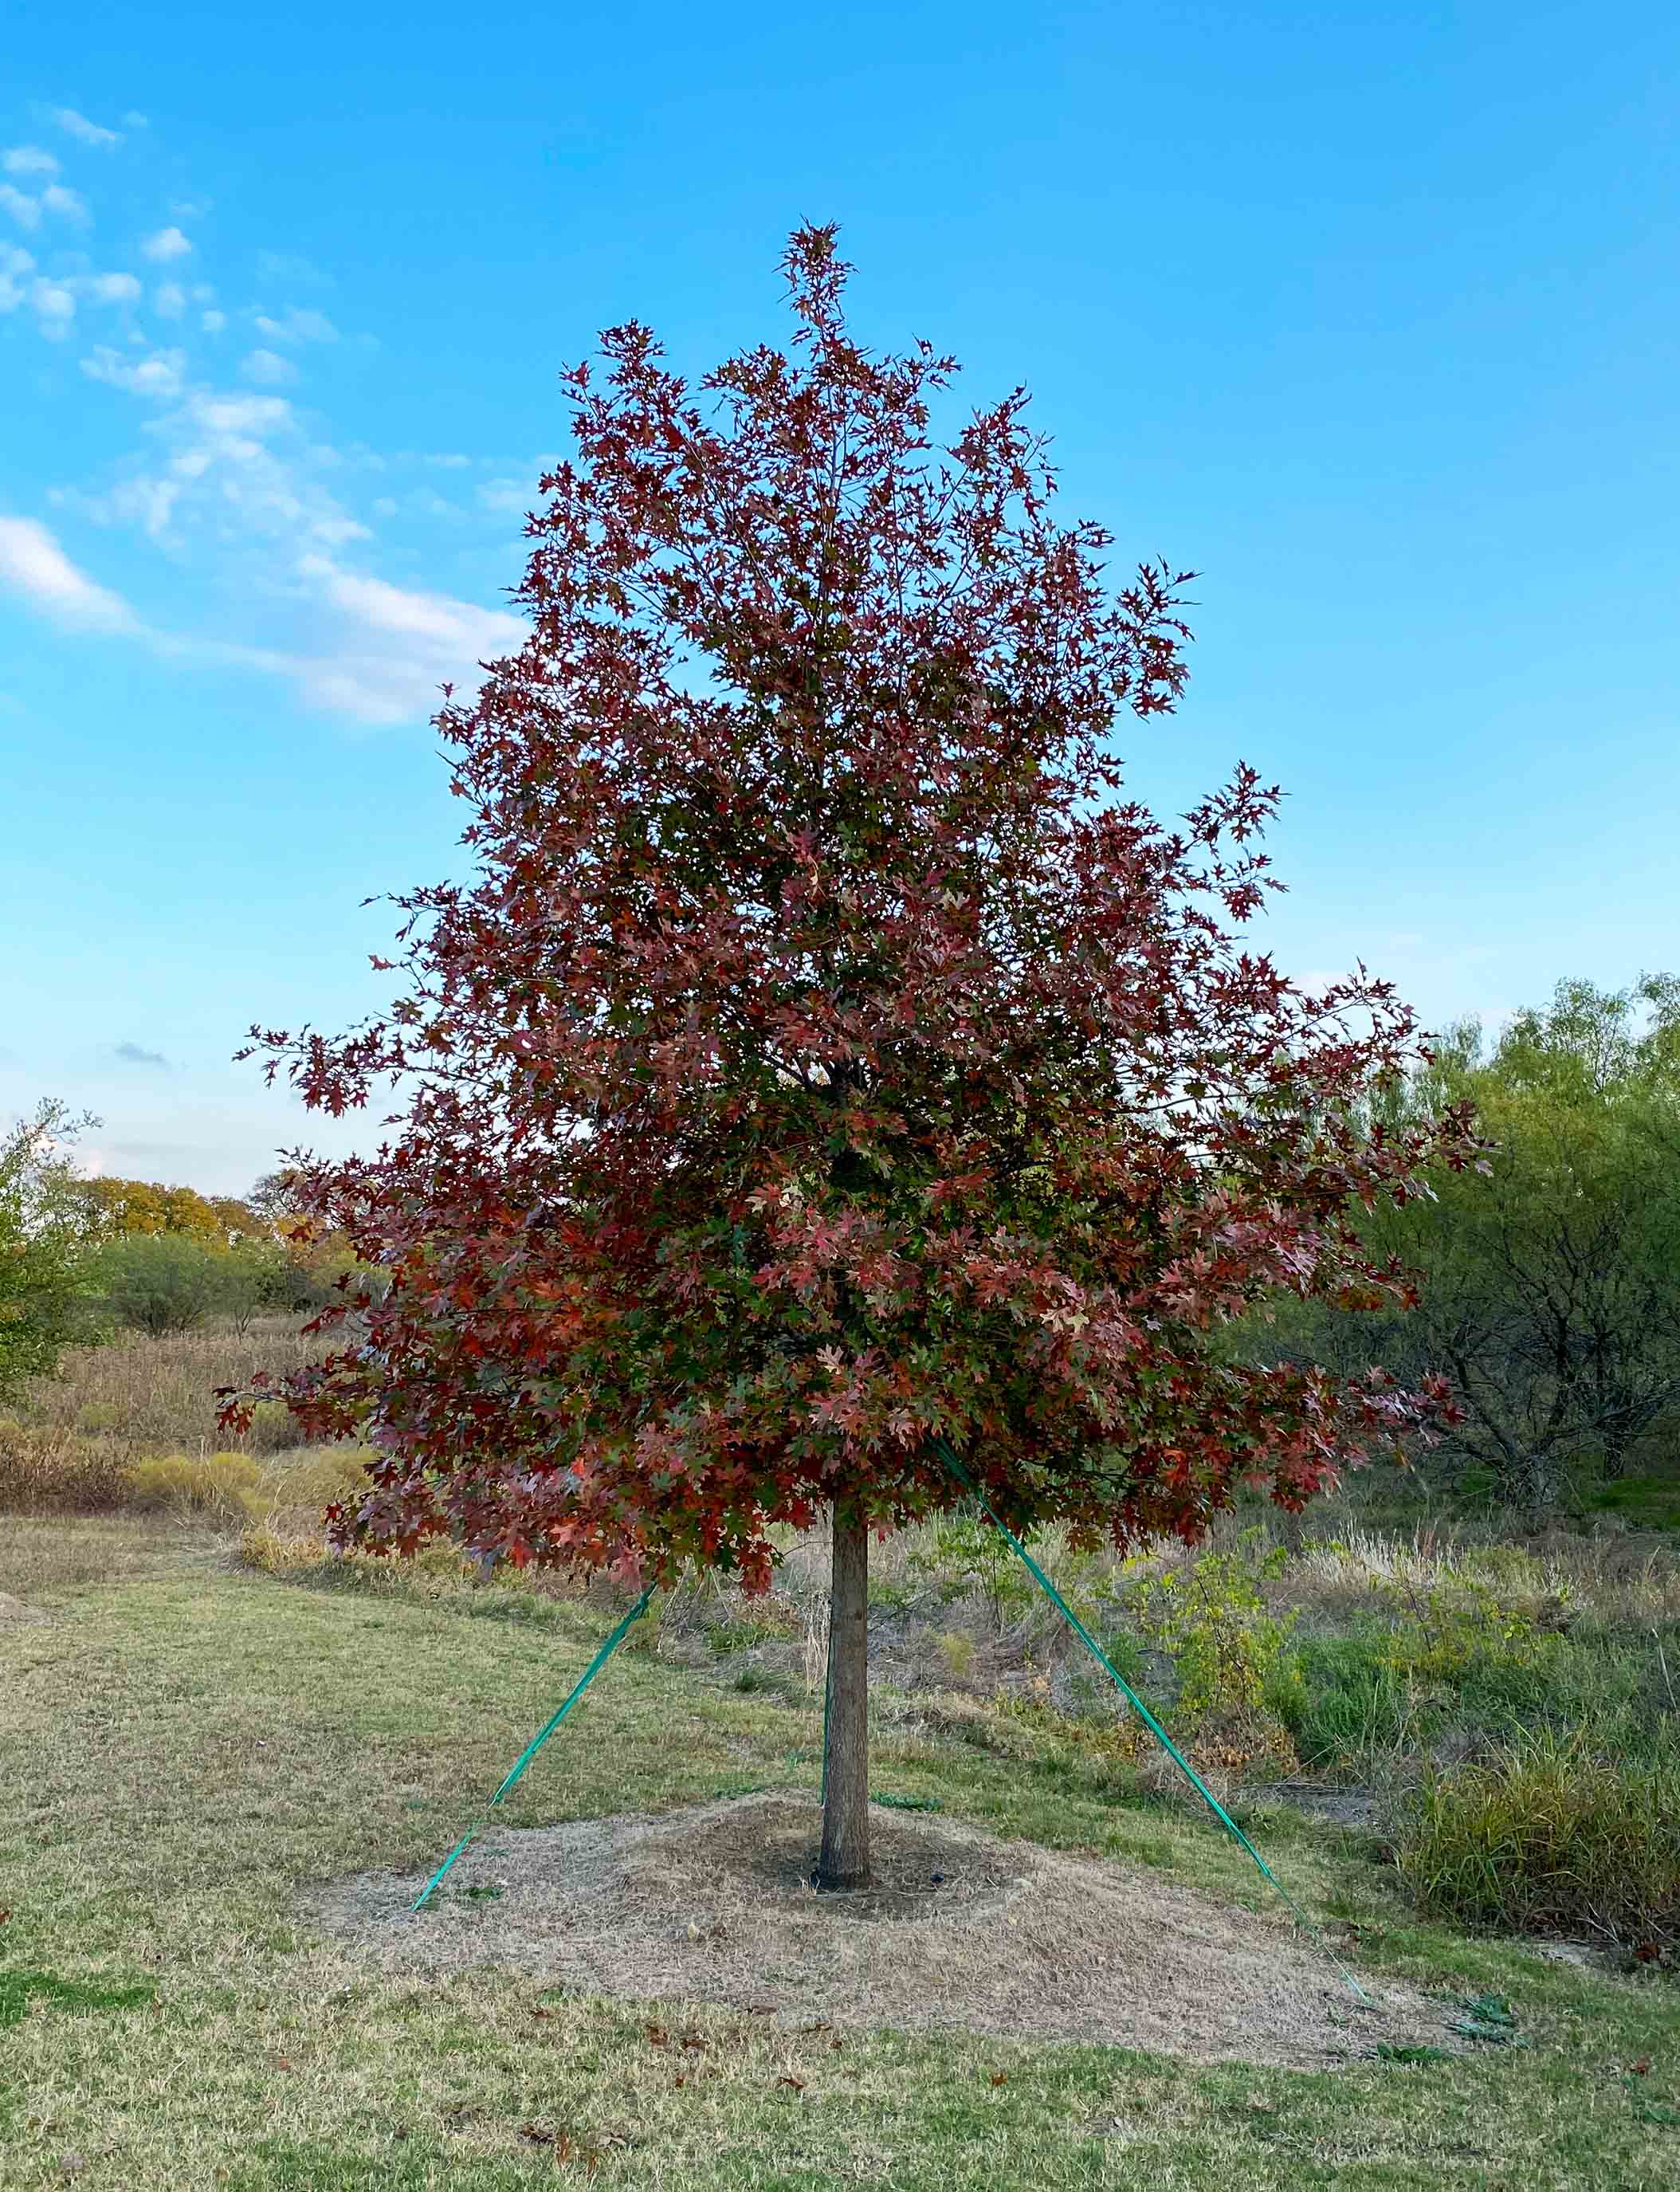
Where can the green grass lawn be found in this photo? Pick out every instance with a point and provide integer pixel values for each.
(185, 1746)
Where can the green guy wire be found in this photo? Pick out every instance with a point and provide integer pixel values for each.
(530, 1751)
(1148, 1719)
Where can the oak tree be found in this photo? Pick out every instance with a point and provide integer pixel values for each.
(826, 1057)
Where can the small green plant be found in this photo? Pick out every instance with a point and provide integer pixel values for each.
(956, 1651)
(1209, 1616)
(1446, 1629)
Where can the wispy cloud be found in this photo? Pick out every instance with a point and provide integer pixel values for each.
(54, 304)
(512, 496)
(28, 160)
(240, 473)
(23, 208)
(85, 132)
(132, 1053)
(33, 564)
(296, 324)
(395, 646)
(162, 374)
(266, 369)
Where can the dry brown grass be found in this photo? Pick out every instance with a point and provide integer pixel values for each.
(960, 1929)
(158, 1395)
(66, 1445)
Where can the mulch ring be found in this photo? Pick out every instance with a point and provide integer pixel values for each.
(961, 1930)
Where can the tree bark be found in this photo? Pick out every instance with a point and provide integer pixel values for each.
(845, 1859)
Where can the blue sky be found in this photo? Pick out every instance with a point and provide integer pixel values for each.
(1369, 315)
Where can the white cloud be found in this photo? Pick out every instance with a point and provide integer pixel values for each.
(24, 210)
(397, 646)
(212, 323)
(297, 324)
(85, 132)
(33, 564)
(166, 244)
(240, 415)
(162, 374)
(383, 506)
(55, 308)
(168, 300)
(114, 289)
(70, 205)
(511, 495)
(13, 264)
(28, 160)
(267, 369)
(202, 293)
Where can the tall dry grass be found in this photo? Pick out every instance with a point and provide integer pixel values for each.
(67, 1443)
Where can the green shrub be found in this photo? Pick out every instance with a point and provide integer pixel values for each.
(1549, 1838)
(273, 1428)
(1210, 1617)
(218, 1486)
(162, 1283)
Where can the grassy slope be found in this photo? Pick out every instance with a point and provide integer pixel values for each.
(185, 1746)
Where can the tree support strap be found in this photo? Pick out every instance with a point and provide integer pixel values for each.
(517, 1769)
(1185, 1768)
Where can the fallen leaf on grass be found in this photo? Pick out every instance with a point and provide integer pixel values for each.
(798, 2084)
(1001, 2077)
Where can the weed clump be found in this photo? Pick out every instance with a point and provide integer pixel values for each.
(1548, 1838)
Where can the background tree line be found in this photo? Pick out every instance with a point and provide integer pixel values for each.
(1550, 1289)
(82, 1257)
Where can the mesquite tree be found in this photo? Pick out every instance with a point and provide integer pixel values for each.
(826, 1059)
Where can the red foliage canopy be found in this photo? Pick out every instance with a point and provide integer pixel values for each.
(826, 1057)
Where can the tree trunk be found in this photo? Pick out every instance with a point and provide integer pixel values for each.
(845, 1861)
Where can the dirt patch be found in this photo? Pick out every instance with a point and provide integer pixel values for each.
(1341, 1807)
(715, 1903)
(13, 1609)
